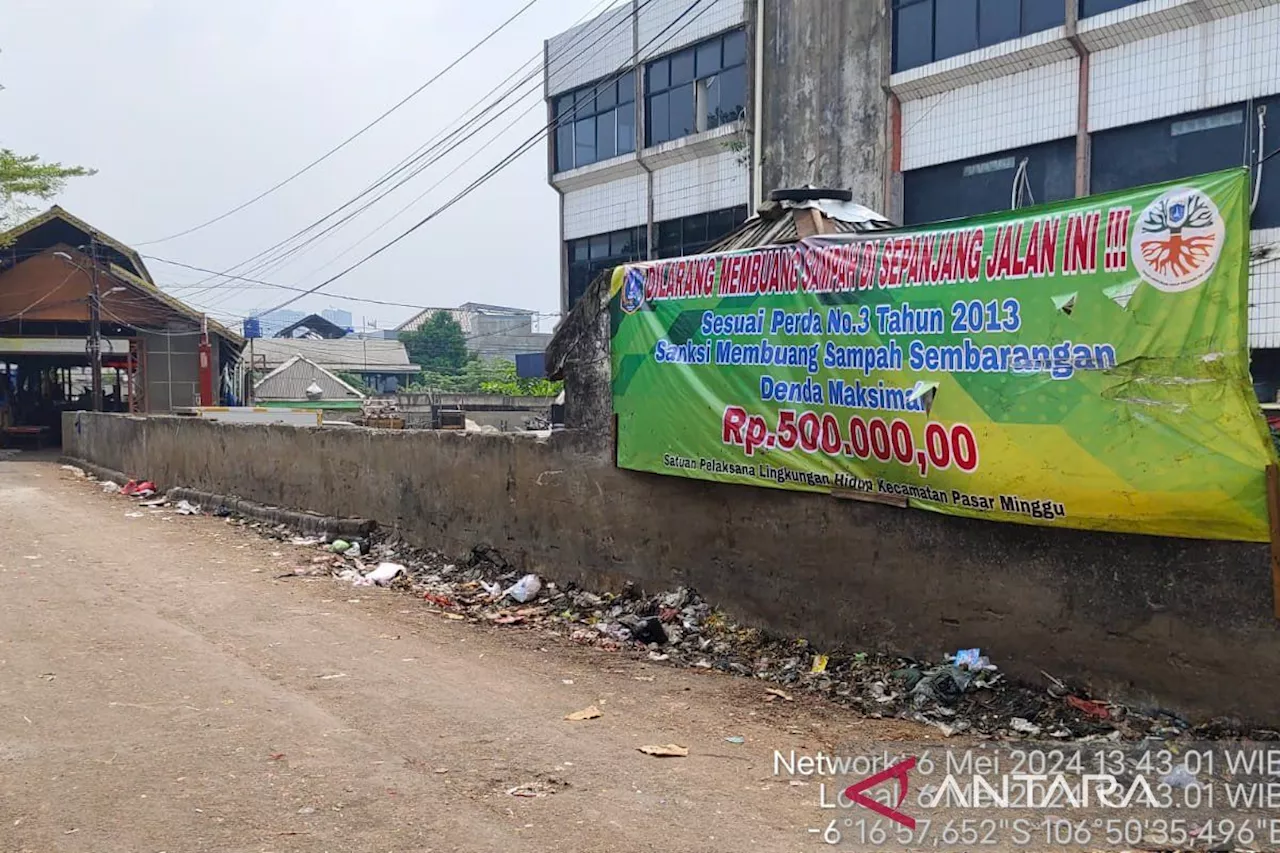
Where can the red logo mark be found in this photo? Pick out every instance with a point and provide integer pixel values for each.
(898, 771)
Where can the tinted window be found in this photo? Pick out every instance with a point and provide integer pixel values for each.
(659, 78)
(590, 256)
(998, 20)
(595, 123)
(707, 58)
(627, 129)
(1097, 7)
(606, 137)
(955, 28)
(1040, 15)
(692, 235)
(681, 106)
(985, 184)
(1167, 149)
(929, 30)
(607, 96)
(564, 148)
(735, 49)
(697, 89)
(682, 67)
(584, 141)
(912, 35)
(658, 119)
(1189, 144)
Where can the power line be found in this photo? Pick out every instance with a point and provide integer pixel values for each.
(367, 299)
(353, 137)
(502, 164)
(414, 161)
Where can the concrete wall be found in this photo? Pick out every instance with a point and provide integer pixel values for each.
(1185, 624)
(825, 111)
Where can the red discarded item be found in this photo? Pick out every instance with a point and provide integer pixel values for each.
(1089, 707)
(669, 614)
(129, 488)
(438, 599)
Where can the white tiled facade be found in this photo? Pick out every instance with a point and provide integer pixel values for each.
(1151, 60)
(695, 174)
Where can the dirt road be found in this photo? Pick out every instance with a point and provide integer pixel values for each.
(160, 691)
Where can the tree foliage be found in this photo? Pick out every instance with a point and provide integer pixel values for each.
(24, 177)
(495, 376)
(438, 346)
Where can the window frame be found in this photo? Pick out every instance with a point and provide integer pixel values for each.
(584, 106)
(580, 272)
(931, 48)
(660, 85)
(732, 217)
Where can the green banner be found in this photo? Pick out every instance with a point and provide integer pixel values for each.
(1081, 364)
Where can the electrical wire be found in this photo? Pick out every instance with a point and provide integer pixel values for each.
(344, 143)
(413, 161)
(370, 300)
(502, 164)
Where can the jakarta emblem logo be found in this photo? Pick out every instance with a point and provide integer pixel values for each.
(1178, 240)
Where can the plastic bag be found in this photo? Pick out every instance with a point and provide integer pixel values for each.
(525, 590)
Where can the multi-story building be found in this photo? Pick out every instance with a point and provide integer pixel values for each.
(492, 331)
(927, 109)
(337, 316)
(650, 153)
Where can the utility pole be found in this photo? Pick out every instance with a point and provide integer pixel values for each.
(95, 328)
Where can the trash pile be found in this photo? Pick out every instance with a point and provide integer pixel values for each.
(964, 693)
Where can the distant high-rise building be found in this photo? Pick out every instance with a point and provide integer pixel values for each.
(337, 316)
(274, 321)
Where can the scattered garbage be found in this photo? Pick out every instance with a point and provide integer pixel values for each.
(78, 472)
(339, 546)
(1089, 707)
(591, 712)
(1024, 727)
(110, 488)
(384, 574)
(972, 659)
(1180, 777)
(963, 693)
(738, 739)
(666, 750)
(524, 590)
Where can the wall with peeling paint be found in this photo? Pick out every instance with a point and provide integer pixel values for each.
(1182, 624)
(825, 111)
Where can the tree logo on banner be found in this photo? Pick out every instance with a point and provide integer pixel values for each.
(1178, 239)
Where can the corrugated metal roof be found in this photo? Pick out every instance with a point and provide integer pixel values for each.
(290, 381)
(776, 223)
(353, 355)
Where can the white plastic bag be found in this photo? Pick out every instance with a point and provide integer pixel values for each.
(384, 574)
(525, 590)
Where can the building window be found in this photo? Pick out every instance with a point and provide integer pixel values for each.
(989, 183)
(1191, 144)
(697, 89)
(693, 235)
(927, 31)
(595, 122)
(1097, 7)
(590, 256)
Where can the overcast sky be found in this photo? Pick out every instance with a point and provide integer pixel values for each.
(188, 108)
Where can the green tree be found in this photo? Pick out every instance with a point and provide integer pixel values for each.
(24, 177)
(503, 380)
(438, 345)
